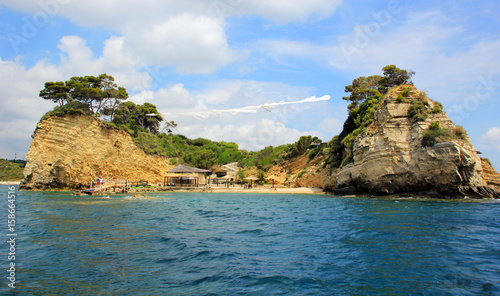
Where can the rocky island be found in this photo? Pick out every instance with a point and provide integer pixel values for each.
(395, 141)
(392, 156)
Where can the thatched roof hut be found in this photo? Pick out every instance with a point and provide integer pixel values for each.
(183, 175)
(184, 169)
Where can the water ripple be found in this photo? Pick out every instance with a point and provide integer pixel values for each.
(247, 244)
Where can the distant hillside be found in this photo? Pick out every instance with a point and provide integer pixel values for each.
(10, 171)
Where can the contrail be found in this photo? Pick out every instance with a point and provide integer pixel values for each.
(202, 115)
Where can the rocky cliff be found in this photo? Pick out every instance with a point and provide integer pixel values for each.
(71, 151)
(389, 157)
(298, 172)
(490, 175)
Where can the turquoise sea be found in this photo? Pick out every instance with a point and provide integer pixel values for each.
(249, 244)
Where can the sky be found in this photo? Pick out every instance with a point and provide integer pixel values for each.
(196, 55)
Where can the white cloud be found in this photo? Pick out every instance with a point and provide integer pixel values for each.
(114, 14)
(167, 33)
(77, 59)
(174, 97)
(189, 43)
(188, 35)
(114, 56)
(492, 138)
(20, 108)
(332, 126)
(118, 13)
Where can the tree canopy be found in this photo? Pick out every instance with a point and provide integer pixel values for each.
(363, 88)
(58, 92)
(137, 117)
(394, 76)
(99, 93)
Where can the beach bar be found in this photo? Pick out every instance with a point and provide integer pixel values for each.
(186, 176)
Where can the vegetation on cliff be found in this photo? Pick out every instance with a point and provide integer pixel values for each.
(200, 152)
(101, 98)
(11, 171)
(71, 108)
(436, 134)
(387, 117)
(366, 94)
(95, 95)
(420, 108)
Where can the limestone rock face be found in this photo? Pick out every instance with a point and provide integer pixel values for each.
(389, 158)
(490, 175)
(71, 151)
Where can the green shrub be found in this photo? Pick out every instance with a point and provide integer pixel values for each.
(401, 99)
(242, 174)
(72, 108)
(418, 111)
(438, 108)
(433, 133)
(109, 125)
(349, 159)
(359, 119)
(348, 141)
(316, 151)
(405, 93)
(335, 153)
(261, 175)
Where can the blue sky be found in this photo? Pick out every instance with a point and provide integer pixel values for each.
(213, 54)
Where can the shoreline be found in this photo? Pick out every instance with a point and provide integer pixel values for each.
(260, 189)
(267, 190)
(10, 182)
(279, 190)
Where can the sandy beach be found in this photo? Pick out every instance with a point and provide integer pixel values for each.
(266, 189)
(10, 182)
